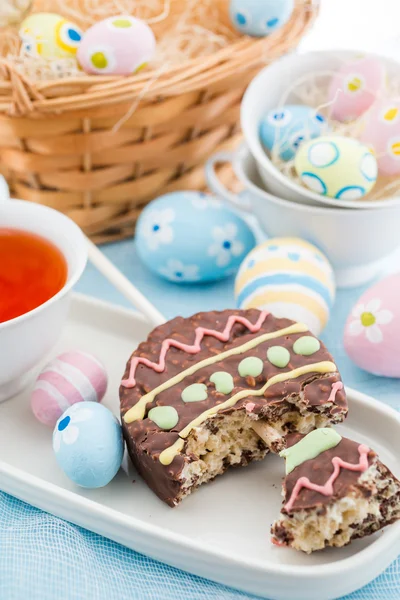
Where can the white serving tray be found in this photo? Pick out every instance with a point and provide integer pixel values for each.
(222, 531)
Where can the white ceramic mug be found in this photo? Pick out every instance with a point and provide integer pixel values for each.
(265, 93)
(25, 340)
(356, 242)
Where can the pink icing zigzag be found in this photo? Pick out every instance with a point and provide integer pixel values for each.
(193, 349)
(327, 489)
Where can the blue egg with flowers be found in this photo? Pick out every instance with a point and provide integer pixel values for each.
(284, 129)
(259, 18)
(192, 237)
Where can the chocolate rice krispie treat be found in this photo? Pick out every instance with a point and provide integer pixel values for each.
(335, 491)
(221, 389)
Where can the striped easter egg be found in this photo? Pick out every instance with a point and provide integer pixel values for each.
(71, 377)
(289, 277)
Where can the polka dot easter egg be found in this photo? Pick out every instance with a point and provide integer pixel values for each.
(260, 18)
(70, 378)
(88, 444)
(189, 237)
(337, 167)
(290, 278)
(372, 332)
(382, 133)
(50, 36)
(119, 45)
(355, 87)
(283, 130)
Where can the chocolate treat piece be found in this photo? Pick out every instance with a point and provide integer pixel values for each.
(192, 393)
(335, 491)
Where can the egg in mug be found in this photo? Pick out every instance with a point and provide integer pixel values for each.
(88, 444)
(372, 332)
(337, 167)
(119, 45)
(284, 129)
(259, 18)
(382, 133)
(290, 278)
(50, 36)
(355, 87)
(188, 237)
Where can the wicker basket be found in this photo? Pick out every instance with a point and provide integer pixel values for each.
(59, 144)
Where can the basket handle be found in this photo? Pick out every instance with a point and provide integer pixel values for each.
(216, 185)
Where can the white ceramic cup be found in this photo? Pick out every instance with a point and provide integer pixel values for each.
(265, 93)
(356, 242)
(25, 340)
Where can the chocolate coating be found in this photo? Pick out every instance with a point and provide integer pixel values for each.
(319, 469)
(145, 441)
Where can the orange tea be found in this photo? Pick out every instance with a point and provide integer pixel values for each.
(32, 270)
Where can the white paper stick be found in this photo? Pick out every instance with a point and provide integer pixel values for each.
(122, 284)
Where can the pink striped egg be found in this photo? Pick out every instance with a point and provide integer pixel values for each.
(71, 377)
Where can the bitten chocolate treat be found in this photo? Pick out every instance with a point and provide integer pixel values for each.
(335, 491)
(194, 393)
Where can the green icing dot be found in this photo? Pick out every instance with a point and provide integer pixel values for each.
(306, 345)
(194, 393)
(311, 446)
(99, 60)
(166, 417)
(122, 23)
(252, 366)
(223, 382)
(278, 356)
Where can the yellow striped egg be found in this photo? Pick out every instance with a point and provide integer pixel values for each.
(289, 277)
(50, 36)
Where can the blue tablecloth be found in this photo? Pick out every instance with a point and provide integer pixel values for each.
(45, 558)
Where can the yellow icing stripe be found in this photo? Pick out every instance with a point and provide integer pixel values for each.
(291, 297)
(138, 411)
(168, 455)
(265, 267)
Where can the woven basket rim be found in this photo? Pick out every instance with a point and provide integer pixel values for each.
(20, 96)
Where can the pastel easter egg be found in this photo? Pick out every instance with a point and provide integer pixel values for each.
(189, 237)
(382, 134)
(50, 36)
(260, 18)
(119, 45)
(337, 167)
(355, 87)
(290, 278)
(372, 332)
(284, 129)
(70, 378)
(88, 444)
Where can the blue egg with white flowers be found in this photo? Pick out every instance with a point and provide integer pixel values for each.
(259, 18)
(284, 129)
(88, 444)
(192, 237)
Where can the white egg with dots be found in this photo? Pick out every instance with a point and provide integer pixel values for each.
(71, 377)
(119, 45)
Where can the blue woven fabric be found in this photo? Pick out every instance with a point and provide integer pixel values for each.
(45, 558)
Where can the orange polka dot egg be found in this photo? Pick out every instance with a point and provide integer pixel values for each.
(120, 45)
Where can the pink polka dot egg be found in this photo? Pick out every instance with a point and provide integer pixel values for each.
(382, 134)
(119, 45)
(71, 377)
(355, 87)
